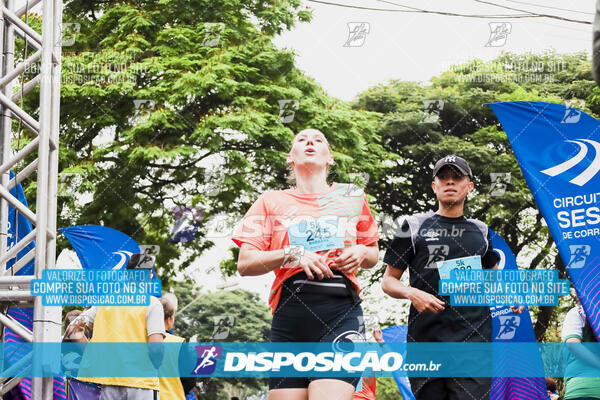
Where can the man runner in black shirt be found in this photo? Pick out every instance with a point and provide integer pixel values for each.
(421, 245)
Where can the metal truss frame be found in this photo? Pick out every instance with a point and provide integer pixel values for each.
(42, 155)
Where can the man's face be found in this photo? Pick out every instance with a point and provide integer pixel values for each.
(451, 186)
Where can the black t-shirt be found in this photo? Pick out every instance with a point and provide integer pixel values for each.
(421, 242)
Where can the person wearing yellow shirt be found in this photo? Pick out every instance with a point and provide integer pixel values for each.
(124, 324)
(171, 388)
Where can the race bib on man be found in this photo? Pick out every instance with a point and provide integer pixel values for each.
(316, 235)
(444, 267)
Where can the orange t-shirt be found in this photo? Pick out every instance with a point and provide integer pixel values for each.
(341, 217)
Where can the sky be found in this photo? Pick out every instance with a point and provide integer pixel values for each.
(403, 46)
(416, 47)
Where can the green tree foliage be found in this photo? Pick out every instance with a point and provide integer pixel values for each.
(387, 389)
(252, 321)
(164, 99)
(252, 316)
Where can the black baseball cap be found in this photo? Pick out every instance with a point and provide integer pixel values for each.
(456, 161)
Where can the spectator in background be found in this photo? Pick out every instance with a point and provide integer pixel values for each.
(582, 372)
(125, 324)
(172, 388)
(76, 332)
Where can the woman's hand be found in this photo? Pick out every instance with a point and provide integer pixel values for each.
(311, 263)
(350, 260)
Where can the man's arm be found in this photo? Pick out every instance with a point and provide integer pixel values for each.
(155, 327)
(422, 301)
(492, 258)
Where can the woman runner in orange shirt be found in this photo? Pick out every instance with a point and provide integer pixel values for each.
(314, 237)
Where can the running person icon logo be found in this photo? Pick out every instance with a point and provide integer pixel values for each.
(207, 359)
(572, 116)
(437, 253)
(499, 32)
(432, 110)
(508, 327)
(222, 325)
(579, 254)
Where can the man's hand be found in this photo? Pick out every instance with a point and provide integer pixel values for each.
(517, 310)
(350, 260)
(425, 302)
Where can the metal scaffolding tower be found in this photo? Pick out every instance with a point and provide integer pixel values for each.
(41, 153)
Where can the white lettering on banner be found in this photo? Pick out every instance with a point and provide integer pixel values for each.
(584, 218)
(586, 199)
(586, 233)
(320, 362)
(579, 217)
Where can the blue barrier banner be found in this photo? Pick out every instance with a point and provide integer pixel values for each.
(398, 333)
(509, 327)
(558, 151)
(301, 359)
(18, 228)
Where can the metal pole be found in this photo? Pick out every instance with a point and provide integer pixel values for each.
(44, 330)
(8, 40)
(14, 290)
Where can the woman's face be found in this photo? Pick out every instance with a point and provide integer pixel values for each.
(310, 148)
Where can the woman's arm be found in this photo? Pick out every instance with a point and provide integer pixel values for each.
(254, 262)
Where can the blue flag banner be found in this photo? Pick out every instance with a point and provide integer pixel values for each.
(100, 247)
(558, 151)
(18, 228)
(510, 327)
(398, 334)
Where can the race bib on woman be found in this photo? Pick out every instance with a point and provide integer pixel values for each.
(316, 235)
